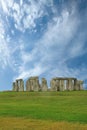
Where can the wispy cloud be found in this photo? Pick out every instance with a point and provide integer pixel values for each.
(61, 41)
(4, 51)
(25, 13)
(57, 45)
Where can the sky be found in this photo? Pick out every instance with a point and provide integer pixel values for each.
(45, 38)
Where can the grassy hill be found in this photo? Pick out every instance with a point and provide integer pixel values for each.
(44, 106)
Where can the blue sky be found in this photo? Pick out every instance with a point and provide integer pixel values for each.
(44, 38)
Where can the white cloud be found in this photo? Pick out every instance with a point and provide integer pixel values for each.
(52, 51)
(4, 54)
(23, 13)
(6, 48)
(21, 2)
(6, 4)
(35, 71)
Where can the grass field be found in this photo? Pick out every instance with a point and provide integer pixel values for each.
(43, 110)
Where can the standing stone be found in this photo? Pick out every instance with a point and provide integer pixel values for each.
(67, 85)
(18, 85)
(36, 84)
(21, 85)
(58, 85)
(53, 85)
(29, 85)
(44, 86)
(79, 85)
(75, 84)
(61, 84)
(32, 84)
(70, 84)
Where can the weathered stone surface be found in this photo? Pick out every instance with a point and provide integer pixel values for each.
(28, 86)
(53, 85)
(56, 84)
(79, 85)
(21, 85)
(75, 84)
(32, 84)
(44, 86)
(63, 78)
(18, 85)
(15, 87)
(69, 85)
(61, 84)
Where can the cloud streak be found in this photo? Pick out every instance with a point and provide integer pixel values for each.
(56, 47)
(58, 37)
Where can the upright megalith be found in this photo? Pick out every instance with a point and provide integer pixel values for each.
(44, 86)
(56, 84)
(69, 84)
(21, 85)
(75, 84)
(63, 83)
(53, 85)
(15, 87)
(18, 85)
(79, 85)
(32, 84)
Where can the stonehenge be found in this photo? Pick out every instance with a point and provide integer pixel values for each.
(56, 84)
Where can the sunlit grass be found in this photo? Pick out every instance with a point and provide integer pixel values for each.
(32, 124)
(43, 110)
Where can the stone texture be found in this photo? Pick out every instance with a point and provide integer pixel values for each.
(32, 84)
(53, 85)
(56, 84)
(21, 85)
(75, 84)
(69, 84)
(61, 84)
(79, 85)
(18, 85)
(15, 87)
(44, 86)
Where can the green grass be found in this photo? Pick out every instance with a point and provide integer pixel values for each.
(55, 106)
